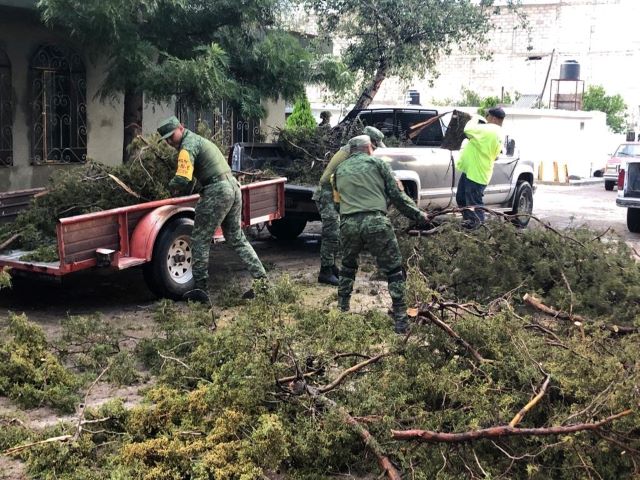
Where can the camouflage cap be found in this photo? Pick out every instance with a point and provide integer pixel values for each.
(373, 133)
(359, 141)
(168, 126)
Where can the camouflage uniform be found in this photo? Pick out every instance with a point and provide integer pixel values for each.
(220, 204)
(323, 196)
(327, 208)
(365, 184)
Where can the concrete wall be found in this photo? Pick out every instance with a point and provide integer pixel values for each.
(579, 140)
(275, 118)
(602, 35)
(21, 33)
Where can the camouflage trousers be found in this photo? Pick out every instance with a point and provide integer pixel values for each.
(330, 244)
(220, 204)
(371, 232)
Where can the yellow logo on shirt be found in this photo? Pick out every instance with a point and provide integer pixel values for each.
(185, 167)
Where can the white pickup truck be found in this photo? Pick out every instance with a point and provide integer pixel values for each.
(629, 192)
(428, 172)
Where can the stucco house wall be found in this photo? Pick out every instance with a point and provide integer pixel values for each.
(21, 34)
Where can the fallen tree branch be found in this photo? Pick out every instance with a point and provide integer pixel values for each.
(20, 448)
(439, 323)
(369, 440)
(520, 415)
(502, 215)
(349, 371)
(429, 436)
(538, 305)
(10, 240)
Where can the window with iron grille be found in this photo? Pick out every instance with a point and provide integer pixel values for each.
(59, 107)
(6, 112)
(223, 124)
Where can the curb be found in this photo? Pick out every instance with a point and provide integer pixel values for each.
(574, 183)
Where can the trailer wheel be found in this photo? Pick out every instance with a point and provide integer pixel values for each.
(287, 228)
(169, 274)
(633, 220)
(522, 204)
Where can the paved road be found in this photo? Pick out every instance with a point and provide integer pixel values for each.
(591, 205)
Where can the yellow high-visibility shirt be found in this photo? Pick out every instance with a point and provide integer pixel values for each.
(480, 153)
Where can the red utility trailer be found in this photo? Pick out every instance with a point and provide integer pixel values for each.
(156, 235)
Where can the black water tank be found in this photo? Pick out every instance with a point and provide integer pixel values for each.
(570, 70)
(414, 97)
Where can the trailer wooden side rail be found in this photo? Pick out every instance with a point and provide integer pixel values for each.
(125, 237)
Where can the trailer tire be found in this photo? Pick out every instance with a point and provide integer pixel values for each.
(169, 273)
(633, 220)
(522, 204)
(287, 228)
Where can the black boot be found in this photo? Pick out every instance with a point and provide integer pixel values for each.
(260, 285)
(401, 320)
(197, 295)
(327, 276)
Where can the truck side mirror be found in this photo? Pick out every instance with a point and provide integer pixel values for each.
(511, 147)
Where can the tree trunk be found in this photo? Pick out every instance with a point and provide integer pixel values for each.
(372, 89)
(133, 104)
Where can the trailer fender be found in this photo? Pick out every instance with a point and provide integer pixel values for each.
(145, 234)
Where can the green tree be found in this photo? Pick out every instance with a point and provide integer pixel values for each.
(301, 118)
(404, 38)
(198, 52)
(612, 105)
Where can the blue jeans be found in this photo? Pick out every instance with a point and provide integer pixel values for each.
(469, 194)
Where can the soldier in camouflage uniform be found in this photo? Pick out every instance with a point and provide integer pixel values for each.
(323, 196)
(365, 185)
(220, 203)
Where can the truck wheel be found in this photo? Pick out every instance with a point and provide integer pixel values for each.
(609, 184)
(169, 273)
(287, 228)
(633, 220)
(522, 204)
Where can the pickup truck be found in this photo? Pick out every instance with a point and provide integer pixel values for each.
(624, 151)
(629, 192)
(155, 235)
(426, 171)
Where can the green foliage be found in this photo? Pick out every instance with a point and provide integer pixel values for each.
(199, 51)
(308, 151)
(92, 188)
(29, 373)
(613, 105)
(301, 118)
(5, 278)
(244, 401)
(469, 98)
(603, 280)
(402, 38)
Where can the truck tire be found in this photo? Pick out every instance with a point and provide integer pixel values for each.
(609, 184)
(169, 273)
(633, 220)
(522, 204)
(287, 228)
